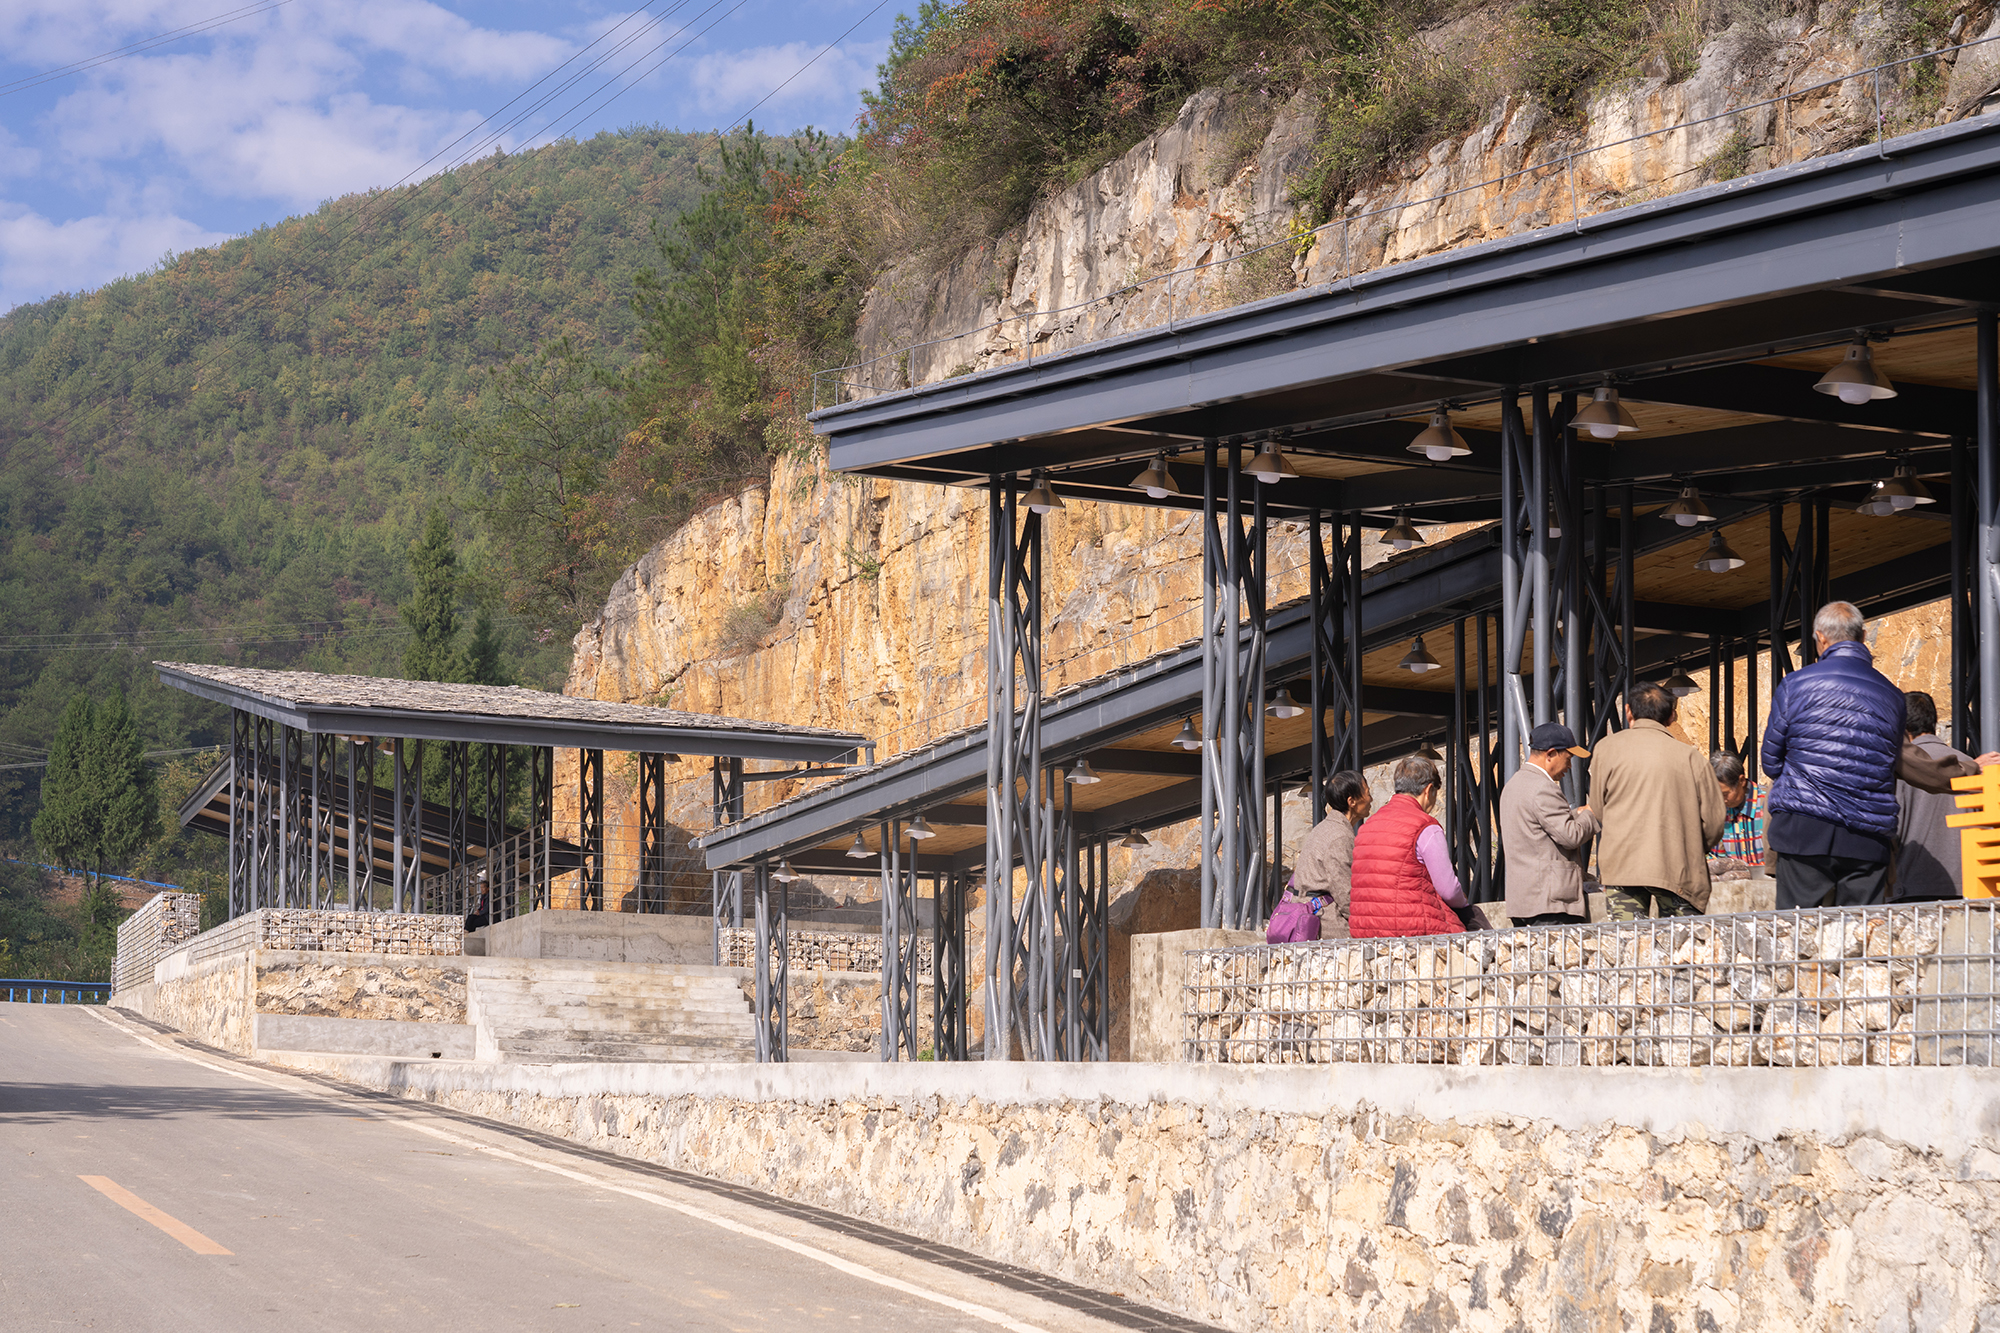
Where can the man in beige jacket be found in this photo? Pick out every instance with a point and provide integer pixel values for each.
(1540, 835)
(1661, 810)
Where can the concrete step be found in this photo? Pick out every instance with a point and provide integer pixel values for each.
(673, 999)
(715, 1023)
(600, 1009)
(667, 1049)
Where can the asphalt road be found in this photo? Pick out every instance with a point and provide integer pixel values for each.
(144, 1186)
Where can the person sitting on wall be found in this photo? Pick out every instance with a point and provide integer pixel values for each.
(1315, 903)
(1743, 849)
(1661, 810)
(1403, 882)
(1542, 837)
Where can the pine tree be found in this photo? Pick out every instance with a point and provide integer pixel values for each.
(122, 782)
(481, 665)
(70, 825)
(431, 611)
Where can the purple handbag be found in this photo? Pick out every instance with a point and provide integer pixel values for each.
(1292, 922)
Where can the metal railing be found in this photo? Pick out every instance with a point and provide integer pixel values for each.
(1901, 985)
(1189, 298)
(22, 990)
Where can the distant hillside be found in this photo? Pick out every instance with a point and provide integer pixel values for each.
(227, 458)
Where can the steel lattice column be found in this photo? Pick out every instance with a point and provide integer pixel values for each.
(773, 966)
(652, 833)
(725, 886)
(542, 800)
(1334, 593)
(948, 967)
(1233, 882)
(1986, 565)
(409, 849)
(590, 828)
(265, 811)
(1017, 833)
(242, 812)
(900, 1029)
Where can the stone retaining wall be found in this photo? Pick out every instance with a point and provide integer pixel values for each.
(1386, 1198)
(839, 1011)
(1848, 986)
(810, 950)
(356, 989)
(167, 920)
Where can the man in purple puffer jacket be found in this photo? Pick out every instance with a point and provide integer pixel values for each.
(1831, 746)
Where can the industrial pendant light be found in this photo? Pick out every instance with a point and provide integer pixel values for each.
(1718, 559)
(1134, 840)
(784, 874)
(1283, 705)
(1604, 416)
(1419, 658)
(1680, 684)
(1271, 466)
(1083, 775)
(1896, 493)
(1438, 441)
(1401, 535)
(1689, 509)
(1855, 379)
(1429, 751)
(859, 849)
(919, 829)
(1188, 738)
(1040, 498)
(1156, 481)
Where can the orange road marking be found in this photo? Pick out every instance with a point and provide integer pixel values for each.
(173, 1226)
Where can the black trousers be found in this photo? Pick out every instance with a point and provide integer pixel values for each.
(1553, 919)
(1830, 881)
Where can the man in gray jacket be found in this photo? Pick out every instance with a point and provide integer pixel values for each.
(1541, 837)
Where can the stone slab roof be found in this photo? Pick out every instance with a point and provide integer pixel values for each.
(508, 714)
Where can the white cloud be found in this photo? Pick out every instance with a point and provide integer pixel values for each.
(39, 257)
(728, 83)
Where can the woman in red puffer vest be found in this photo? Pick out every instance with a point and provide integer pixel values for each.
(1403, 881)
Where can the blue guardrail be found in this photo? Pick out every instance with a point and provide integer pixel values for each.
(20, 990)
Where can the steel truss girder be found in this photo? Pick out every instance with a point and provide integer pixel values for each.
(1235, 639)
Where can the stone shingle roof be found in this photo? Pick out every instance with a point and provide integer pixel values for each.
(306, 692)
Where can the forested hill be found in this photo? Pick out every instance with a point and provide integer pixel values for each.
(227, 458)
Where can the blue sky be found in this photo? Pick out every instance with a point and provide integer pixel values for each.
(198, 139)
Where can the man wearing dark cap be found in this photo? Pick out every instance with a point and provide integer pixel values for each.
(1542, 837)
(1661, 809)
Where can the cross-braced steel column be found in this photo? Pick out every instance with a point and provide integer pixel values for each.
(590, 829)
(1017, 836)
(900, 1030)
(773, 967)
(1987, 555)
(542, 801)
(725, 886)
(242, 811)
(1233, 882)
(652, 832)
(1086, 954)
(1965, 593)
(1334, 593)
(948, 967)
(408, 859)
(1517, 599)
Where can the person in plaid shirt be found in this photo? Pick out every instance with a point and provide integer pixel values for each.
(1743, 802)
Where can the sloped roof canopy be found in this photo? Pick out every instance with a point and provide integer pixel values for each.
(1714, 311)
(496, 714)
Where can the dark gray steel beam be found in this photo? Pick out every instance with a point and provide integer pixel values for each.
(1677, 278)
(1779, 391)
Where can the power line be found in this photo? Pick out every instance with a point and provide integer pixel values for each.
(22, 85)
(808, 65)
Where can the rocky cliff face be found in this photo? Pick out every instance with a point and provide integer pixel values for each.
(861, 604)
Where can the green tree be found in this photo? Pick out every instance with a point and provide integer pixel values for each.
(123, 783)
(70, 825)
(431, 610)
(482, 654)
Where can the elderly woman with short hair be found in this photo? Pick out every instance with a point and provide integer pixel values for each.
(1403, 882)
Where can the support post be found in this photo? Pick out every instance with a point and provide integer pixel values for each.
(1015, 813)
(1987, 571)
(590, 829)
(1964, 593)
(1543, 606)
(652, 886)
(948, 967)
(772, 967)
(1233, 657)
(1514, 607)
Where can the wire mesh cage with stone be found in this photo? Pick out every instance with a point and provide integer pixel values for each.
(1892, 985)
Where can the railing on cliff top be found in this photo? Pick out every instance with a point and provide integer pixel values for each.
(842, 382)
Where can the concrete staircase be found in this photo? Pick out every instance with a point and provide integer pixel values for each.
(539, 1011)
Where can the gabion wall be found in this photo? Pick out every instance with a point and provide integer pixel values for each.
(320, 931)
(168, 920)
(1911, 985)
(831, 950)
